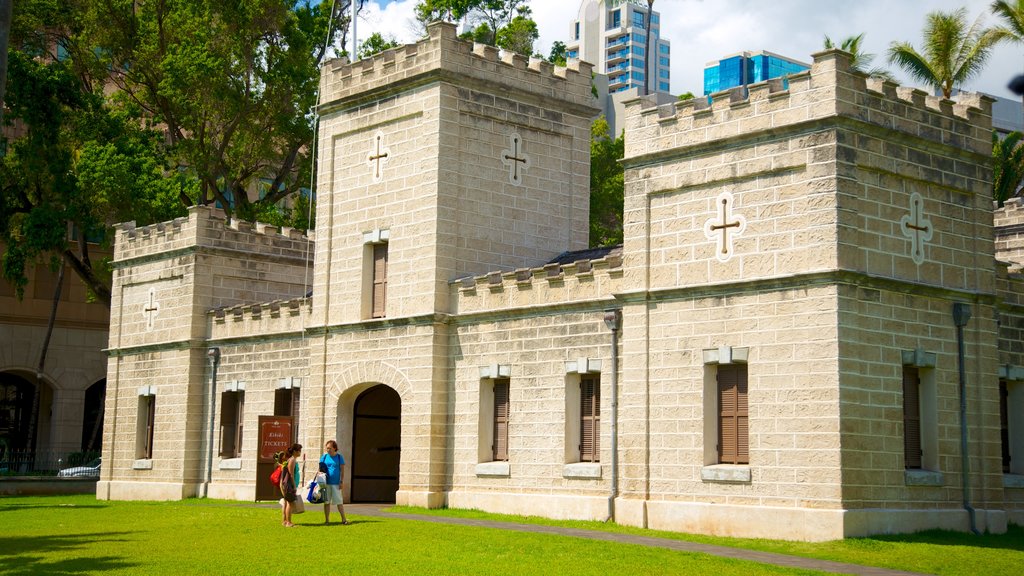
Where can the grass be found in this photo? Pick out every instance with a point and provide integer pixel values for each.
(80, 535)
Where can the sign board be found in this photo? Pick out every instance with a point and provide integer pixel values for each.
(275, 434)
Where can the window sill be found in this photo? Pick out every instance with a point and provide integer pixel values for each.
(582, 470)
(142, 465)
(230, 464)
(1013, 480)
(493, 469)
(726, 473)
(922, 478)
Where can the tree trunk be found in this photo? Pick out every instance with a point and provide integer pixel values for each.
(34, 414)
(649, 57)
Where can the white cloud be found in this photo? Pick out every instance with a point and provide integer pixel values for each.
(706, 30)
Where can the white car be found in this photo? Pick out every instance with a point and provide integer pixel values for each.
(90, 470)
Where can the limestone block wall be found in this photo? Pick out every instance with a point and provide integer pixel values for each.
(1009, 233)
(388, 120)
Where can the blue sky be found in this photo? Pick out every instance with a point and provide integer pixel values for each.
(705, 30)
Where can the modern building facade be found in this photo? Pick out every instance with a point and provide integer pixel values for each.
(809, 289)
(613, 36)
(748, 68)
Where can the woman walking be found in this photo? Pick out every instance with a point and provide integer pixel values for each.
(290, 482)
(335, 470)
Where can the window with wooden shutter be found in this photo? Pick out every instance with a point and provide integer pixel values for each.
(590, 418)
(286, 403)
(380, 280)
(149, 413)
(1004, 427)
(501, 413)
(231, 424)
(912, 452)
(733, 433)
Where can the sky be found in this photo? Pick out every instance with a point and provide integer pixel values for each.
(705, 30)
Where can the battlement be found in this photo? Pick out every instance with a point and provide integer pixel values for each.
(206, 226)
(554, 283)
(829, 89)
(442, 55)
(274, 317)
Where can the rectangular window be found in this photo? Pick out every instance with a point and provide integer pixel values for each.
(637, 76)
(638, 19)
(638, 62)
(380, 280)
(577, 34)
(590, 418)
(145, 424)
(655, 18)
(231, 409)
(663, 74)
(1004, 424)
(733, 424)
(286, 403)
(640, 38)
(663, 86)
(663, 48)
(499, 449)
(912, 452)
(638, 50)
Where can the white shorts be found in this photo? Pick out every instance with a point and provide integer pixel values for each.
(332, 494)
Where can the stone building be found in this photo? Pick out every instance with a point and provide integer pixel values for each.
(807, 300)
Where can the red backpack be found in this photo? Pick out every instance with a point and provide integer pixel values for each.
(275, 476)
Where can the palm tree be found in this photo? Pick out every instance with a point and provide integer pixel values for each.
(859, 61)
(1007, 165)
(1012, 29)
(648, 57)
(954, 51)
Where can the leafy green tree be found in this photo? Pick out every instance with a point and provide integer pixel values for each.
(78, 167)
(1011, 15)
(860, 61)
(376, 44)
(686, 96)
(1007, 165)
(519, 34)
(234, 84)
(489, 18)
(606, 185)
(954, 51)
(559, 55)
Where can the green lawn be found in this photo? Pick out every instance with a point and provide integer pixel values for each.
(80, 535)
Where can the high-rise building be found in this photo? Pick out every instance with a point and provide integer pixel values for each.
(613, 36)
(747, 68)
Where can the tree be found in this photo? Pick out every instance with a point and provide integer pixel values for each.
(559, 55)
(686, 96)
(954, 51)
(519, 34)
(859, 61)
(1012, 29)
(1007, 165)
(606, 185)
(6, 12)
(376, 44)
(234, 85)
(489, 20)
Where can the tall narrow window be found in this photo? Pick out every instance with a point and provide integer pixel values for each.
(912, 452)
(286, 403)
(380, 279)
(590, 418)
(501, 412)
(146, 423)
(733, 433)
(1004, 424)
(231, 408)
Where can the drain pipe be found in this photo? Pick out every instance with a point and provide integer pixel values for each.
(214, 355)
(961, 315)
(613, 319)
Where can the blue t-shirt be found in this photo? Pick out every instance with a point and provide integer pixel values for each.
(333, 467)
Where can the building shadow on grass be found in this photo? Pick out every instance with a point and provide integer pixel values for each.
(1012, 540)
(21, 555)
(338, 525)
(23, 507)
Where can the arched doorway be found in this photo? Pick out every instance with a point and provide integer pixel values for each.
(16, 417)
(92, 419)
(376, 445)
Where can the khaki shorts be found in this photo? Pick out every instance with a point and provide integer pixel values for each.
(332, 494)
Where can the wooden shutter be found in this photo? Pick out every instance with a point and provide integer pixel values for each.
(501, 411)
(150, 425)
(295, 415)
(1004, 428)
(286, 403)
(733, 428)
(231, 424)
(590, 419)
(911, 418)
(380, 279)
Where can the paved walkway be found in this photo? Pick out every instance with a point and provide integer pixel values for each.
(721, 551)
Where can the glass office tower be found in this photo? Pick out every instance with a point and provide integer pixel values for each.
(612, 35)
(748, 68)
